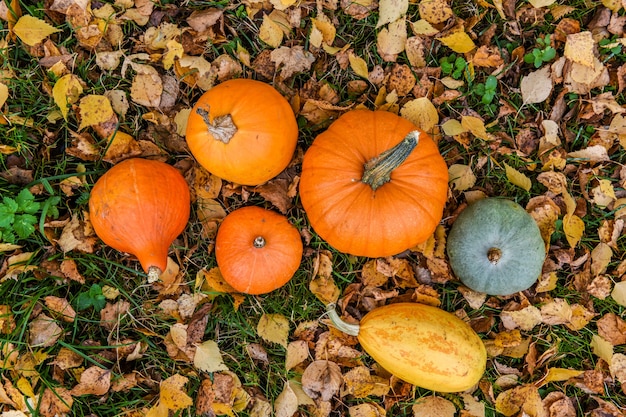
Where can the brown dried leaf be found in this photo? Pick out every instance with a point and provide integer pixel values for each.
(60, 307)
(55, 402)
(93, 381)
(43, 331)
(322, 379)
(433, 406)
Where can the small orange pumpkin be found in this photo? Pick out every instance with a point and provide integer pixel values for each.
(373, 184)
(257, 250)
(243, 131)
(140, 206)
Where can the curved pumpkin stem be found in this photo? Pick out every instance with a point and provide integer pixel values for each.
(222, 128)
(378, 169)
(154, 274)
(348, 328)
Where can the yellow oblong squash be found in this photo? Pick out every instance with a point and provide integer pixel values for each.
(420, 344)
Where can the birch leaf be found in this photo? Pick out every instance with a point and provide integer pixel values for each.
(32, 30)
(518, 178)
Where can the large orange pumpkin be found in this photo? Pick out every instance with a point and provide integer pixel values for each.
(257, 250)
(368, 189)
(243, 131)
(140, 206)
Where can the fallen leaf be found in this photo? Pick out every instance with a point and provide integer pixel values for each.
(391, 40)
(536, 87)
(461, 177)
(558, 375)
(273, 328)
(358, 65)
(171, 393)
(286, 404)
(574, 228)
(518, 178)
(602, 348)
(93, 381)
(458, 41)
(600, 258)
(391, 10)
(579, 48)
(66, 92)
(435, 11)
(433, 406)
(43, 331)
(475, 125)
(323, 285)
(619, 293)
(322, 379)
(61, 308)
(270, 32)
(422, 113)
(208, 357)
(94, 109)
(297, 352)
(291, 60)
(594, 153)
(32, 30)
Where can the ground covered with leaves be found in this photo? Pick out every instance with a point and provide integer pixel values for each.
(524, 99)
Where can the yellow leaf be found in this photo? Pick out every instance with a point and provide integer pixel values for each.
(537, 4)
(461, 177)
(459, 42)
(392, 40)
(453, 127)
(579, 48)
(422, 113)
(282, 4)
(435, 11)
(274, 328)
(614, 5)
(25, 387)
(66, 92)
(559, 374)
(174, 50)
(619, 293)
(475, 125)
(604, 193)
(158, 410)
(270, 32)
(391, 10)
(518, 178)
(172, 395)
(600, 258)
(32, 30)
(325, 27)
(4, 94)
(208, 357)
(358, 65)
(94, 109)
(423, 27)
(574, 227)
(602, 348)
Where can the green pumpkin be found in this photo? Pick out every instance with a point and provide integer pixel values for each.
(495, 247)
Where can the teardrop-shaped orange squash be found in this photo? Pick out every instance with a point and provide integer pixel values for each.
(140, 206)
(257, 250)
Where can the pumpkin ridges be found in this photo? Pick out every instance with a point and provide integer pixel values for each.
(332, 170)
(257, 270)
(266, 135)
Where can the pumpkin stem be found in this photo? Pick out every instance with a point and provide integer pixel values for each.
(348, 328)
(494, 255)
(378, 169)
(258, 242)
(154, 274)
(222, 128)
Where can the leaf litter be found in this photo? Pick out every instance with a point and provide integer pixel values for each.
(568, 180)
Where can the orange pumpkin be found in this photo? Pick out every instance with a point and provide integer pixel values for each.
(140, 206)
(243, 131)
(257, 250)
(373, 184)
